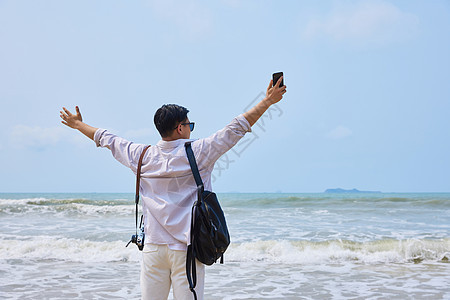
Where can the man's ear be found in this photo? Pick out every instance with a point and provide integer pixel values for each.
(179, 129)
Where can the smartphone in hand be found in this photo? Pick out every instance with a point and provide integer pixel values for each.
(275, 77)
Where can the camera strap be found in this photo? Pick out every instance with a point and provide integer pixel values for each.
(138, 180)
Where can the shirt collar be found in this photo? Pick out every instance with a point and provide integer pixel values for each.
(172, 144)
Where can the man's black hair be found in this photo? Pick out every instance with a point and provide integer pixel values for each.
(168, 116)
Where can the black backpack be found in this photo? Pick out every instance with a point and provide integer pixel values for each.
(209, 232)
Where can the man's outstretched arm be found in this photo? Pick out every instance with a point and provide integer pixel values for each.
(273, 95)
(223, 140)
(76, 122)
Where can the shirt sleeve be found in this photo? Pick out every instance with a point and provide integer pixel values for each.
(210, 149)
(126, 152)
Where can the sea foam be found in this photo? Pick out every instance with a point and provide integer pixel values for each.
(65, 206)
(306, 252)
(284, 251)
(67, 249)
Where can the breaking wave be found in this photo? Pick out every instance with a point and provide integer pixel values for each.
(306, 252)
(61, 206)
(287, 252)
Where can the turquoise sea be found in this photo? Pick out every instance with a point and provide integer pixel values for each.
(284, 246)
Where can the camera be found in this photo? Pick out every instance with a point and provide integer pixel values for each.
(138, 238)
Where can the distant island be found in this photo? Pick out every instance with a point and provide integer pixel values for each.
(348, 191)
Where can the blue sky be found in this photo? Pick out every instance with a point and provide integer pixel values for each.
(367, 106)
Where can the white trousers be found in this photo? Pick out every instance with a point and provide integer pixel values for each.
(162, 267)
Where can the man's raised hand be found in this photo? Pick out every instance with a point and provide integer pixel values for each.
(275, 93)
(69, 119)
(76, 122)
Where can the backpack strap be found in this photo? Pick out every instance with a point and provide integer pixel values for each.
(193, 163)
(191, 269)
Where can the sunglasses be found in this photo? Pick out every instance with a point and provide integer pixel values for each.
(191, 125)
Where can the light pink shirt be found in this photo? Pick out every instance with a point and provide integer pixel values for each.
(167, 187)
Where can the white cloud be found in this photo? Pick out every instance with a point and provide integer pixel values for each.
(364, 21)
(339, 132)
(141, 134)
(36, 137)
(192, 19)
(39, 138)
(23, 136)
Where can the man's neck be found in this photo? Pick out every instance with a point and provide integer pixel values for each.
(171, 138)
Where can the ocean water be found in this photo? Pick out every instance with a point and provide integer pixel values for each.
(284, 246)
